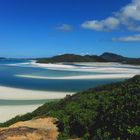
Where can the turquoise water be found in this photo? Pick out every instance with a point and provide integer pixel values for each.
(8, 78)
(10, 68)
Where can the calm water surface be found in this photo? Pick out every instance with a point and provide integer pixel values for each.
(10, 68)
(8, 78)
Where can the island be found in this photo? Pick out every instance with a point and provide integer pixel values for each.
(105, 57)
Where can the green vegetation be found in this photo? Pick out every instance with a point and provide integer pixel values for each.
(105, 57)
(111, 57)
(109, 112)
(134, 131)
(71, 58)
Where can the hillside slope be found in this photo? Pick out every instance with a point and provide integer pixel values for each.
(105, 57)
(71, 58)
(107, 112)
(111, 57)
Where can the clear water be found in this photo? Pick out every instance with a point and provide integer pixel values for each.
(8, 78)
(10, 68)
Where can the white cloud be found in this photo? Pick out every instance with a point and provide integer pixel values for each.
(104, 25)
(134, 38)
(64, 27)
(128, 16)
(131, 10)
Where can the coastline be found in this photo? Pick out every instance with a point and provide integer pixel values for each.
(10, 93)
(8, 112)
(101, 76)
(107, 67)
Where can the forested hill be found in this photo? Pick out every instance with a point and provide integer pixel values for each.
(71, 58)
(105, 57)
(111, 57)
(110, 112)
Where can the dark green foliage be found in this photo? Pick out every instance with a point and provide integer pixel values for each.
(105, 57)
(111, 57)
(110, 112)
(71, 58)
(135, 131)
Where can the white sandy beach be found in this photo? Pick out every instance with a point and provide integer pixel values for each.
(8, 93)
(112, 69)
(101, 76)
(91, 67)
(25, 94)
(8, 112)
(108, 67)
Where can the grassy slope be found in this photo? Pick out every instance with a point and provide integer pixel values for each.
(106, 112)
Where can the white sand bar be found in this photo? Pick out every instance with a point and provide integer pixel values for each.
(25, 94)
(91, 67)
(8, 112)
(9, 93)
(99, 76)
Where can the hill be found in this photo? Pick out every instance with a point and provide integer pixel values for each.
(111, 57)
(109, 112)
(105, 57)
(71, 58)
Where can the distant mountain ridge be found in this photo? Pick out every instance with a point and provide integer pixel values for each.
(111, 57)
(105, 57)
(72, 58)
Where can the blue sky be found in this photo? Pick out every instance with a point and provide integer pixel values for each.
(41, 28)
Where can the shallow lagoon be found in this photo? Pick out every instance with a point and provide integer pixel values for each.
(8, 79)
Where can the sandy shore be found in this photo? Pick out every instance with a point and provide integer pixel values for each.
(8, 112)
(59, 65)
(91, 67)
(8, 93)
(101, 76)
(113, 70)
(24, 94)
